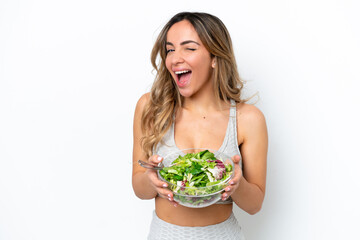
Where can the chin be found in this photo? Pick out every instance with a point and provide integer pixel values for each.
(185, 93)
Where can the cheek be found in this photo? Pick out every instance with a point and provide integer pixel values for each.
(167, 63)
(204, 69)
(201, 62)
(168, 67)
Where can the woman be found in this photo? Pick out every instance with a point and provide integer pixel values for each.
(195, 102)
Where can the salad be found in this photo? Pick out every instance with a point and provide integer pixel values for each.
(196, 174)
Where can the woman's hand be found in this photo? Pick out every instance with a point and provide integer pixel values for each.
(234, 182)
(159, 186)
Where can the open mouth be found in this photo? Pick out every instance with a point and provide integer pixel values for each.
(183, 77)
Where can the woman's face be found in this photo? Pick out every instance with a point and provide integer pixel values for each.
(187, 59)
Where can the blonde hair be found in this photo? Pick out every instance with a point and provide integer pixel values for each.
(165, 98)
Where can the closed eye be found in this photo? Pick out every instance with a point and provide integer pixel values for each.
(169, 50)
(191, 49)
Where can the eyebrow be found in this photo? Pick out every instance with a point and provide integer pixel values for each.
(184, 42)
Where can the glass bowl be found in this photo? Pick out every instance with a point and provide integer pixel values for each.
(198, 197)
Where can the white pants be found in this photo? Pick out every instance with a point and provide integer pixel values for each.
(227, 230)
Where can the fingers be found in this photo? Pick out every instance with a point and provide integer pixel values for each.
(165, 193)
(155, 159)
(233, 183)
(229, 189)
(153, 177)
(159, 186)
(236, 159)
(237, 174)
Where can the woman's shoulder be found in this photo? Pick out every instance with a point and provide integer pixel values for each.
(249, 116)
(140, 105)
(250, 123)
(143, 100)
(249, 112)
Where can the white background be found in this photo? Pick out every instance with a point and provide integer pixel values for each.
(72, 71)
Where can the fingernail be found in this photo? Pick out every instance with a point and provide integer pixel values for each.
(169, 199)
(159, 159)
(232, 183)
(169, 195)
(225, 195)
(175, 205)
(227, 189)
(164, 185)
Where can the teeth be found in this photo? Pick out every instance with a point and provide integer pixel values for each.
(181, 72)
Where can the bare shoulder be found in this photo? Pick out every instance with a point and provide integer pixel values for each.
(143, 100)
(249, 113)
(250, 121)
(141, 103)
(139, 109)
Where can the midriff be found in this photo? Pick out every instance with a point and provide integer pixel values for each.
(191, 217)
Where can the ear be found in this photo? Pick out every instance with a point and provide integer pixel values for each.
(213, 62)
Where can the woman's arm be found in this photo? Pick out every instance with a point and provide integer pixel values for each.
(145, 182)
(140, 183)
(247, 188)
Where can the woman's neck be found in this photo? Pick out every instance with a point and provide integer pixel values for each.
(203, 105)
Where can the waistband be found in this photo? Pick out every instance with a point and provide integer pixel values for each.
(226, 230)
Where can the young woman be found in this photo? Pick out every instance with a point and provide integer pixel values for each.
(195, 102)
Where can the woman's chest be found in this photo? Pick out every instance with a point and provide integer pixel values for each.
(208, 132)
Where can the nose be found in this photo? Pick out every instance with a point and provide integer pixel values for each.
(176, 58)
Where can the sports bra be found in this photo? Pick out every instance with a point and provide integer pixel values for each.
(229, 145)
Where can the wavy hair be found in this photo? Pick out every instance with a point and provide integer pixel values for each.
(165, 98)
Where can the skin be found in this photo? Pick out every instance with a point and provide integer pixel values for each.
(194, 128)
